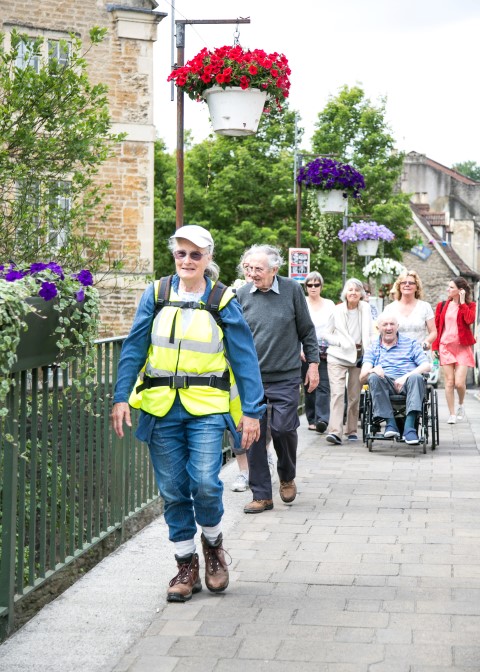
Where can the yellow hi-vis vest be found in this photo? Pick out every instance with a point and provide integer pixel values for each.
(187, 355)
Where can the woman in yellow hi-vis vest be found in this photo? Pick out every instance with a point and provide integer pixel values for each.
(189, 363)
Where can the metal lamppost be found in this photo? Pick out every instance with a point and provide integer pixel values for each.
(180, 44)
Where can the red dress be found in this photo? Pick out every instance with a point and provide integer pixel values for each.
(454, 334)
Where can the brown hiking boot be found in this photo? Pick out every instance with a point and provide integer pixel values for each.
(288, 491)
(258, 506)
(187, 581)
(216, 572)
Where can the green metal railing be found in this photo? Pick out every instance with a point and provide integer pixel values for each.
(67, 482)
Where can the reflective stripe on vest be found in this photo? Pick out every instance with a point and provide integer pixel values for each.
(187, 341)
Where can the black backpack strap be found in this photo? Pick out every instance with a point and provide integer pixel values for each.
(213, 301)
(163, 295)
(212, 304)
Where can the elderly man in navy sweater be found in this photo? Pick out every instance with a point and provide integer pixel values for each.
(276, 311)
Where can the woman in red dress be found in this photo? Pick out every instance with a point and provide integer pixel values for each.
(454, 319)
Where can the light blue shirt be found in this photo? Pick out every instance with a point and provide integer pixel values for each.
(397, 360)
(273, 288)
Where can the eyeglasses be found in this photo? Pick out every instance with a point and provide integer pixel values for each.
(194, 256)
(313, 284)
(408, 282)
(255, 269)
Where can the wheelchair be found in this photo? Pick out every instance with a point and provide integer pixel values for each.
(427, 422)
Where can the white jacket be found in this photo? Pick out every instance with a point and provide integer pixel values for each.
(342, 345)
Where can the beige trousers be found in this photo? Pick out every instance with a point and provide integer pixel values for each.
(340, 377)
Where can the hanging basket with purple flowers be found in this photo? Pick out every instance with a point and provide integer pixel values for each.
(47, 315)
(329, 176)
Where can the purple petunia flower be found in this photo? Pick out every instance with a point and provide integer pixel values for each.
(37, 267)
(324, 173)
(48, 291)
(80, 295)
(84, 277)
(13, 275)
(365, 231)
(55, 268)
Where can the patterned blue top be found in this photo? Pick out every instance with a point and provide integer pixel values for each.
(397, 360)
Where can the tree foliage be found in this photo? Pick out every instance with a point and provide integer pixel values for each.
(469, 169)
(241, 189)
(355, 131)
(54, 135)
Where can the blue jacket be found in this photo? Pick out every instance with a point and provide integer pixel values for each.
(239, 347)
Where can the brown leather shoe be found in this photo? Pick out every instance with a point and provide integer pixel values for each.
(288, 491)
(216, 571)
(187, 581)
(258, 506)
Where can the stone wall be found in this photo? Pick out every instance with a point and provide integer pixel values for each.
(124, 61)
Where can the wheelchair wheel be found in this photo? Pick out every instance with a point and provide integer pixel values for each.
(434, 417)
(369, 444)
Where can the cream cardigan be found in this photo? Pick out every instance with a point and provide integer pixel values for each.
(342, 345)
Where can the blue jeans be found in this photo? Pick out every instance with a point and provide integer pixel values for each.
(186, 452)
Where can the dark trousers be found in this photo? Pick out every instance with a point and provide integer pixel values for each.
(317, 403)
(283, 398)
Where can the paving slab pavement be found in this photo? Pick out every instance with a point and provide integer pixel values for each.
(374, 568)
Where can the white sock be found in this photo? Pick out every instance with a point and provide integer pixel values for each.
(184, 548)
(211, 533)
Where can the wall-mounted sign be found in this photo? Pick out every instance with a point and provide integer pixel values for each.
(421, 251)
(298, 263)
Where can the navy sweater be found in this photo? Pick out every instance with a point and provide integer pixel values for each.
(280, 325)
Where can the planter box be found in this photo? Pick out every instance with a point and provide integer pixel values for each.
(38, 345)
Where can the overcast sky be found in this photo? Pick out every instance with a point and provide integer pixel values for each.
(422, 55)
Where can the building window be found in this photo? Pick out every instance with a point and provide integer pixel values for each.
(59, 50)
(58, 219)
(27, 55)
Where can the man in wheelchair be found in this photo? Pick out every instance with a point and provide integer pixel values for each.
(394, 365)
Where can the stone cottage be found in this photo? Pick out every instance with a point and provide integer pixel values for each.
(446, 218)
(124, 61)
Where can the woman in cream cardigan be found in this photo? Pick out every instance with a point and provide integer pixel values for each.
(349, 333)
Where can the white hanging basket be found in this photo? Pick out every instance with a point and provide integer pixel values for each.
(235, 111)
(367, 248)
(331, 201)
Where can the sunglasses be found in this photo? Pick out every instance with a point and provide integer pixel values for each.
(408, 282)
(313, 284)
(194, 256)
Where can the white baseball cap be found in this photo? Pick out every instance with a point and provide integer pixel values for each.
(195, 234)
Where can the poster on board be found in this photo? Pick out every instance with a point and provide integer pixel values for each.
(298, 263)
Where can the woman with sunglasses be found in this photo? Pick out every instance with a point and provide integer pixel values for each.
(198, 371)
(454, 319)
(414, 315)
(317, 403)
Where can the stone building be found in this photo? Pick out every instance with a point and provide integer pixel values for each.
(446, 218)
(446, 211)
(124, 61)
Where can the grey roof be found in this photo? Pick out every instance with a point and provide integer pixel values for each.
(445, 250)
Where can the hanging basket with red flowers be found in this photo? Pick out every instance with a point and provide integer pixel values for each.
(254, 78)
